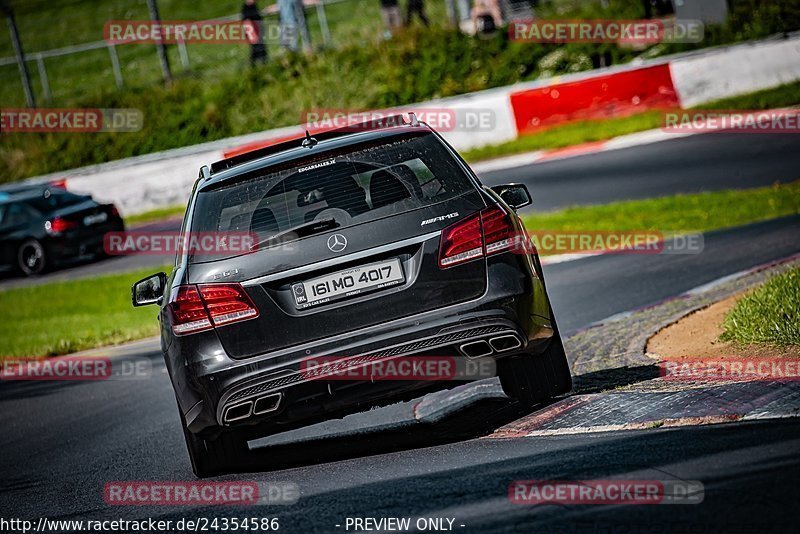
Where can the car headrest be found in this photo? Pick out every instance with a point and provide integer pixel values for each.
(263, 220)
(385, 189)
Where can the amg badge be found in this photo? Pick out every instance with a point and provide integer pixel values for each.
(440, 218)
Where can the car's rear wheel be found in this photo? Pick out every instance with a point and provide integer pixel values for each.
(226, 453)
(534, 378)
(31, 258)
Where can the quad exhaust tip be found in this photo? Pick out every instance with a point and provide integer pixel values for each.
(505, 343)
(267, 404)
(476, 349)
(237, 412)
(482, 347)
(259, 406)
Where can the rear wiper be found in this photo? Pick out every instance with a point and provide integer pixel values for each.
(301, 230)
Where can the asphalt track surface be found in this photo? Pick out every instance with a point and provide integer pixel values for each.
(591, 289)
(707, 162)
(686, 165)
(61, 442)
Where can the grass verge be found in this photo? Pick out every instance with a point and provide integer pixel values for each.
(778, 97)
(769, 315)
(65, 317)
(698, 212)
(579, 132)
(157, 214)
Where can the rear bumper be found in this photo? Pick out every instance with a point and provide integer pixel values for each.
(261, 391)
(88, 243)
(264, 396)
(66, 251)
(215, 391)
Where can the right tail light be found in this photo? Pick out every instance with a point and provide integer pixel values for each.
(487, 232)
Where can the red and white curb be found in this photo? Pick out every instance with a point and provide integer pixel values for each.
(704, 403)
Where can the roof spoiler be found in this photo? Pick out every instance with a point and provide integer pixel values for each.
(391, 121)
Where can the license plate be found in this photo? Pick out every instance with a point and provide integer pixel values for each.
(97, 218)
(349, 283)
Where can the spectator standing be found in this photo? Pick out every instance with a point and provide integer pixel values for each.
(302, 23)
(416, 7)
(251, 14)
(293, 24)
(390, 13)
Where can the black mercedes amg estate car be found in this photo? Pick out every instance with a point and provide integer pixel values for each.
(372, 244)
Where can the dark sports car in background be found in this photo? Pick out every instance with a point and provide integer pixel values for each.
(43, 227)
(373, 245)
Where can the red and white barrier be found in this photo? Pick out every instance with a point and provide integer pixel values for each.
(735, 70)
(599, 96)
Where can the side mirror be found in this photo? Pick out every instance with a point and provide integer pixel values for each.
(149, 290)
(515, 195)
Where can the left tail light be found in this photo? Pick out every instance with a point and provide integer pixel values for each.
(189, 315)
(59, 225)
(202, 307)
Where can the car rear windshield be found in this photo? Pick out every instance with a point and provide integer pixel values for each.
(52, 201)
(363, 184)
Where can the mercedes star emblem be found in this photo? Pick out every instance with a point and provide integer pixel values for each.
(337, 242)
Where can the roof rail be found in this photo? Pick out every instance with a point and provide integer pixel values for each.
(320, 135)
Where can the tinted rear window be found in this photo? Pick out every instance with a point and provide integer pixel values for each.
(54, 201)
(352, 188)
